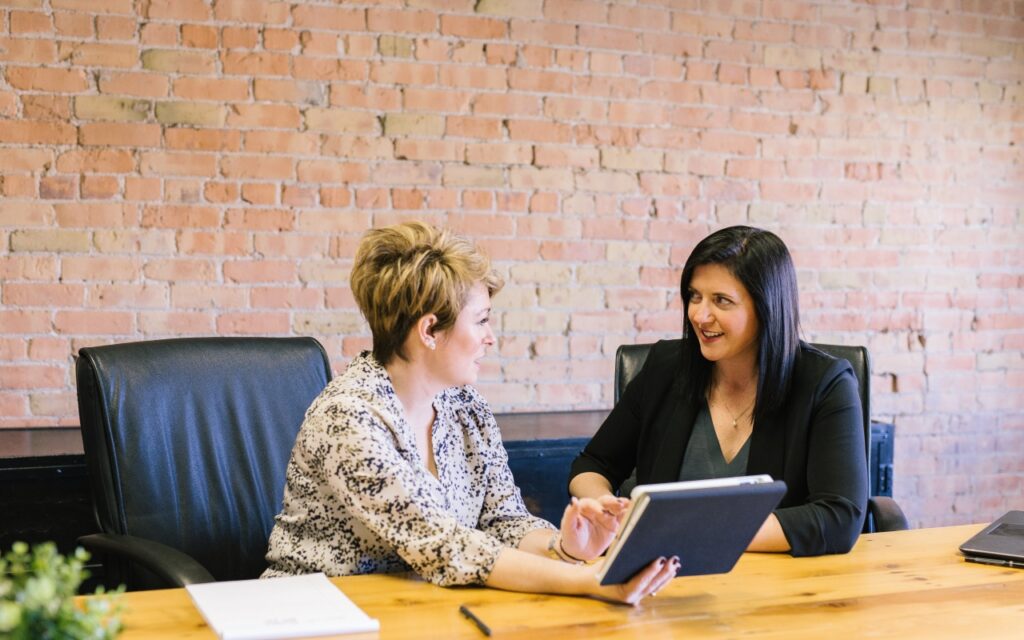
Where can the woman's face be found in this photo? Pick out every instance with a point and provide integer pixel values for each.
(460, 348)
(722, 315)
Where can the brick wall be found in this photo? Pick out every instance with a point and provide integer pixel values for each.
(188, 167)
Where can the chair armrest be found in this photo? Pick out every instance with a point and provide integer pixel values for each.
(887, 514)
(177, 569)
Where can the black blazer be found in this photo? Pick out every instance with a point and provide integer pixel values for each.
(815, 443)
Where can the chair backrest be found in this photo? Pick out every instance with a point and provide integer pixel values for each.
(630, 358)
(186, 440)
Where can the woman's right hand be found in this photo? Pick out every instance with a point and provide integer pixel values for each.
(645, 583)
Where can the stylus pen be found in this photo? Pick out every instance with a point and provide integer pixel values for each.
(996, 562)
(484, 629)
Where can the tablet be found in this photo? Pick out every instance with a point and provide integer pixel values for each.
(707, 523)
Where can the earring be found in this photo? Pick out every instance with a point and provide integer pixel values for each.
(431, 345)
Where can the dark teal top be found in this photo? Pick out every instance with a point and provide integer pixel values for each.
(704, 458)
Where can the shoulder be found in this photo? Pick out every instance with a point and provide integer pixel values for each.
(362, 393)
(815, 370)
(468, 405)
(665, 354)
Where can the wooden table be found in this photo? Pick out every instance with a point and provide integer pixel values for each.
(908, 584)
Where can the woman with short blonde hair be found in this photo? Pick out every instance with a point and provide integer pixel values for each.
(399, 463)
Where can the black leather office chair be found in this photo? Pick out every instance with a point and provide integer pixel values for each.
(884, 514)
(186, 443)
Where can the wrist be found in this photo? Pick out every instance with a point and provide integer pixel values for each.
(558, 552)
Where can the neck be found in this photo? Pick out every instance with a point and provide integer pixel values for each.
(735, 376)
(414, 389)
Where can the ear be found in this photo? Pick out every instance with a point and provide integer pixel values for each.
(425, 331)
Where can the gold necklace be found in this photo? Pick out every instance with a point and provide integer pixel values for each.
(736, 418)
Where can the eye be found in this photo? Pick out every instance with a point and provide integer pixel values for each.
(484, 320)
(722, 301)
(693, 296)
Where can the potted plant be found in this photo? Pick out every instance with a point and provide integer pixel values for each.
(37, 597)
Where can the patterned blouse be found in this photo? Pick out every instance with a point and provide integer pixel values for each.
(358, 498)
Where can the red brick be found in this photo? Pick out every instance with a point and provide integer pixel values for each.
(32, 376)
(178, 164)
(120, 134)
(219, 89)
(274, 116)
(22, 22)
(105, 323)
(331, 171)
(239, 37)
(539, 81)
(330, 18)
(306, 68)
(280, 39)
(47, 79)
(261, 11)
(366, 97)
(246, 271)
(260, 219)
(175, 323)
(72, 24)
(177, 269)
(539, 131)
(259, 167)
(148, 85)
(255, 63)
(58, 187)
(135, 296)
(469, 127)
(272, 90)
(473, 27)
(92, 268)
(203, 139)
(82, 215)
(259, 193)
(401, 21)
(174, 216)
(429, 150)
(433, 100)
(30, 51)
(43, 295)
(282, 142)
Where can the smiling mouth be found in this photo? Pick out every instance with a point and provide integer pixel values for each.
(711, 334)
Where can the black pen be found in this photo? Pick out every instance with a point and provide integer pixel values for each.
(464, 610)
(997, 562)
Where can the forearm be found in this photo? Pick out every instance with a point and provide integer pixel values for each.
(590, 485)
(770, 537)
(536, 542)
(520, 570)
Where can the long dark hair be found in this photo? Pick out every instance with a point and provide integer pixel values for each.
(760, 261)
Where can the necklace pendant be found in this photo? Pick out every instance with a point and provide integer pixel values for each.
(734, 423)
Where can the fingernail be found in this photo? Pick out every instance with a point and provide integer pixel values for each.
(661, 562)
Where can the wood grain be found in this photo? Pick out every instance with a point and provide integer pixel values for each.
(909, 584)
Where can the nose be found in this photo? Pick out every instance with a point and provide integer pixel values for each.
(699, 312)
(489, 339)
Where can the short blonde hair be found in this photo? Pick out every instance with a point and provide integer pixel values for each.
(408, 270)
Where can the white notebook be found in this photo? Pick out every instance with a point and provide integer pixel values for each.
(291, 607)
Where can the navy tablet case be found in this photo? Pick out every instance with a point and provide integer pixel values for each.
(707, 528)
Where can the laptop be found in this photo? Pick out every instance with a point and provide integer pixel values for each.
(1000, 543)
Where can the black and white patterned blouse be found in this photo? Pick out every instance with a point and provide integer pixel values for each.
(358, 498)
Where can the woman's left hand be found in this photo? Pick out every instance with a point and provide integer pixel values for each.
(589, 525)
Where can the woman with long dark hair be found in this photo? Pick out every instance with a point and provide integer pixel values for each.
(741, 394)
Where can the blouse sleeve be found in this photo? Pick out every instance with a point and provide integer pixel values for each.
(833, 515)
(504, 514)
(398, 504)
